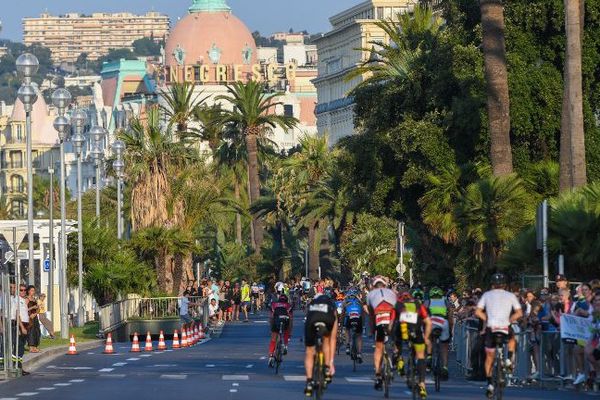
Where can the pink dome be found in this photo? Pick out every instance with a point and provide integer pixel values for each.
(210, 38)
(42, 130)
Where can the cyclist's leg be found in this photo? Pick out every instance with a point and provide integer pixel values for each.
(490, 353)
(329, 349)
(378, 353)
(359, 339)
(420, 358)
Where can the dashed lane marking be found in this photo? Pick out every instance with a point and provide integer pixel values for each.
(263, 358)
(119, 364)
(173, 376)
(77, 380)
(294, 378)
(164, 365)
(235, 384)
(90, 353)
(233, 390)
(261, 322)
(359, 380)
(9, 398)
(146, 355)
(62, 384)
(106, 370)
(236, 378)
(69, 368)
(115, 376)
(45, 389)
(133, 359)
(210, 365)
(249, 365)
(27, 394)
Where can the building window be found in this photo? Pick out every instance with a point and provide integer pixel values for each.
(288, 110)
(17, 208)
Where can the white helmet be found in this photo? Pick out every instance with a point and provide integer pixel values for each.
(379, 279)
(279, 287)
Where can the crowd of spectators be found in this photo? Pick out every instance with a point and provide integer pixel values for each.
(538, 332)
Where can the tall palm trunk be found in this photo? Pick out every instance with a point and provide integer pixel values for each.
(238, 216)
(254, 182)
(573, 142)
(496, 75)
(313, 252)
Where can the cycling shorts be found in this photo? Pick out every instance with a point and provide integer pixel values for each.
(310, 330)
(280, 319)
(489, 339)
(355, 324)
(415, 335)
(441, 324)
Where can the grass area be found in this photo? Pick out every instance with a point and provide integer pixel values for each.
(84, 334)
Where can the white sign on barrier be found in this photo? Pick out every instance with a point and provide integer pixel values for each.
(575, 328)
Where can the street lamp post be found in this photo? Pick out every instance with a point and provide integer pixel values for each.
(51, 239)
(27, 64)
(97, 133)
(119, 166)
(79, 119)
(61, 98)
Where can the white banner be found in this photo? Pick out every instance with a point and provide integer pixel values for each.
(575, 328)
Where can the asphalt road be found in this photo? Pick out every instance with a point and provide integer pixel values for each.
(231, 367)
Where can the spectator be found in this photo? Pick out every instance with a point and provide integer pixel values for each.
(214, 313)
(245, 293)
(47, 323)
(561, 282)
(550, 317)
(33, 332)
(184, 310)
(236, 298)
(19, 319)
(592, 347)
(581, 307)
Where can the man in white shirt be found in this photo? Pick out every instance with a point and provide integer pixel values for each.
(19, 317)
(184, 307)
(213, 311)
(498, 309)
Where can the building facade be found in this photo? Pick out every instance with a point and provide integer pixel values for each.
(70, 35)
(337, 51)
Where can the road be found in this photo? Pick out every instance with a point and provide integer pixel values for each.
(231, 367)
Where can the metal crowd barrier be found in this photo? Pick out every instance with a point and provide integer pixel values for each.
(9, 367)
(118, 313)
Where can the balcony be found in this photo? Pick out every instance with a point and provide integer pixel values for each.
(14, 189)
(13, 165)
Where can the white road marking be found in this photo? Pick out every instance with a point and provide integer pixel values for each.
(62, 384)
(263, 358)
(210, 365)
(106, 370)
(261, 322)
(45, 389)
(27, 394)
(9, 398)
(359, 380)
(164, 365)
(76, 380)
(168, 350)
(173, 376)
(236, 378)
(249, 365)
(91, 353)
(69, 368)
(119, 364)
(112, 375)
(232, 390)
(294, 378)
(235, 384)
(146, 355)
(133, 359)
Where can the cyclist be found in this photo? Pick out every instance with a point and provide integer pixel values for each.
(261, 295)
(254, 294)
(442, 319)
(320, 309)
(353, 321)
(498, 309)
(414, 322)
(382, 310)
(281, 313)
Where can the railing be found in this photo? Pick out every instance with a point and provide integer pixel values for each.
(12, 165)
(118, 313)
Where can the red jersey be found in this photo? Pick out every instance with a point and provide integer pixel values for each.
(278, 307)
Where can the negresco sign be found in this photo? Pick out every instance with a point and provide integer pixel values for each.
(221, 73)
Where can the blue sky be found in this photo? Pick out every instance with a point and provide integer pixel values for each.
(267, 16)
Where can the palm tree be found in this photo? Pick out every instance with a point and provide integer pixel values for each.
(253, 115)
(181, 104)
(153, 158)
(496, 75)
(572, 143)
(212, 125)
(408, 37)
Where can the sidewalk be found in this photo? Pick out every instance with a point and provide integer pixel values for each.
(32, 361)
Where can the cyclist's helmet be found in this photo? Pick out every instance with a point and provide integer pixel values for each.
(498, 279)
(405, 297)
(340, 296)
(417, 294)
(283, 298)
(379, 279)
(279, 287)
(436, 293)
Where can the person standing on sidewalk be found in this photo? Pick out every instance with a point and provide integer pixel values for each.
(34, 333)
(42, 315)
(19, 320)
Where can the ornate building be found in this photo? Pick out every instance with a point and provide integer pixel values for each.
(352, 29)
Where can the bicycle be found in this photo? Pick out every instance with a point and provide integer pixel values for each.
(319, 363)
(411, 371)
(341, 337)
(498, 374)
(280, 345)
(354, 348)
(387, 373)
(436, 364)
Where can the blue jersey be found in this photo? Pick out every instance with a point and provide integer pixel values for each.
(353, 309)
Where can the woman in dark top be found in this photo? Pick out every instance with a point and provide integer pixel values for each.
(236, 298)
(34, 333)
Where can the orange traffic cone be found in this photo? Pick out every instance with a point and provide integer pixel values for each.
(148, 342)
(202, 335)
(194, 336)
(197, 333)
(72, 347)
(135, 346)
(108, 349)
(176, 344)
(184, 339)
(161, 342)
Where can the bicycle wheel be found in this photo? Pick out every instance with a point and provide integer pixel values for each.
(500, 382)
(319, 375)
(385, 375)
(278, 356)
(437, 370)
(354, 352)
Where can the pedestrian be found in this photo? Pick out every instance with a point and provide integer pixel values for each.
(184, 308)
(19, 320)
(34, 333)
(245, 293)
(236, 297)
(44, 320)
